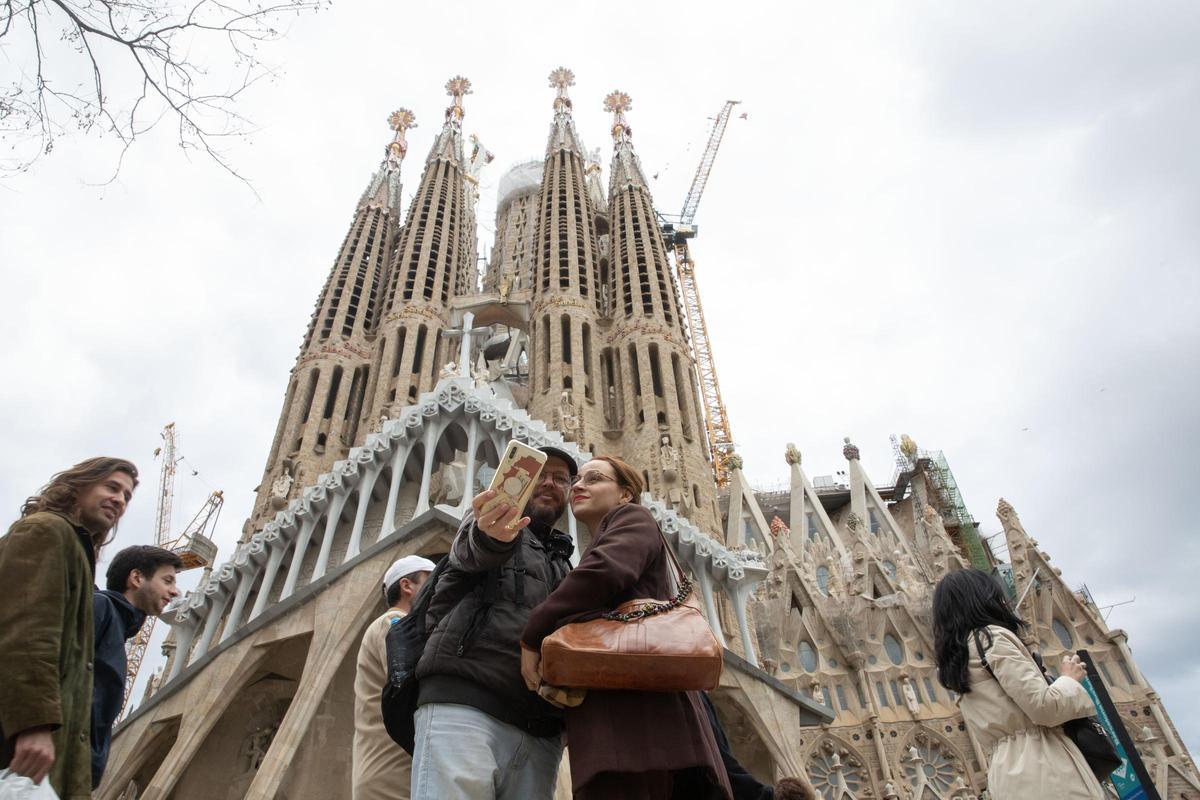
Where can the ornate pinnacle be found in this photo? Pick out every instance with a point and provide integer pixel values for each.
(849, 451)
(560, 79)
(792, 454)
(400, 121)
(457, 87)
(617, 103)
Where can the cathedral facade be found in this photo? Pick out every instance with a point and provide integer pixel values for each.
(414, 373)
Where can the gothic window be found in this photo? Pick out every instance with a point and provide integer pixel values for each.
(1100, 665)
(893, 648)
(544, 347)
(419, 350)
(586, 342)
(823, 580)
(930, 769)
(890, 569)
(807, 656)
(896, 694)
(656, 381)
(1063, 633)
(1125, 671)
(874, 521)
(331, 398)
(812, 526)
(841, 696)
(862, 698)
(828, 699)
(929, 692)
(836, 773)
(883, 698)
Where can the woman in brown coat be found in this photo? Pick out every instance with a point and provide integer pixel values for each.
(626, 744)
(1016, 716)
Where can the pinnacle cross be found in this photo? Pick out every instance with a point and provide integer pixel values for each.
(400, 121)
(560, 79)
(457, 87)
(618, 103)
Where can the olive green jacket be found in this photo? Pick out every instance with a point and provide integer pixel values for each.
(46, 643)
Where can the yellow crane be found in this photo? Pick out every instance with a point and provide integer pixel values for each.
(193, 546)
(677, 232)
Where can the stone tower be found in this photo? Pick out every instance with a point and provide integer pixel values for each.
(511, 265)
(324, 410)
(430, 263)
(653, 401)
(565, 307)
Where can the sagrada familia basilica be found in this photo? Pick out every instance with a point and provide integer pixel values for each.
(414, 373)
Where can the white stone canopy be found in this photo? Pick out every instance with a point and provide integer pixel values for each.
(332, 515)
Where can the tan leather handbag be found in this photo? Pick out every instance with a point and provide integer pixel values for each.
(642, 645)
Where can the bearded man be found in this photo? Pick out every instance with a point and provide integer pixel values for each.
(479, 733)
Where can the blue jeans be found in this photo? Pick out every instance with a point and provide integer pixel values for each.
(461, 753)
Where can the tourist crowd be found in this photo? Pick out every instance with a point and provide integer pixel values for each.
(485, 723)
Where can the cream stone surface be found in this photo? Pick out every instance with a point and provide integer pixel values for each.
(411, 379)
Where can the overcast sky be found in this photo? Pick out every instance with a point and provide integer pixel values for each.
(975, 227)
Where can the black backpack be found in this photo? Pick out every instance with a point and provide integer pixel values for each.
(405, 644)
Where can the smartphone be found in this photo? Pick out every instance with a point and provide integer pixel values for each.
(516, 477)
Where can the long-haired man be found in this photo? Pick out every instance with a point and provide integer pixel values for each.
(47, 560)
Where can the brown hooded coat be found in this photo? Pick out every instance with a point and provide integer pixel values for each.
(46, 644)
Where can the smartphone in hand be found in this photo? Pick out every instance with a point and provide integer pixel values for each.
(516, 477)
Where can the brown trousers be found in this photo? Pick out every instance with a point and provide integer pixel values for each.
(694, 783)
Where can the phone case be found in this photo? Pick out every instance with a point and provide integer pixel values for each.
(516, 476)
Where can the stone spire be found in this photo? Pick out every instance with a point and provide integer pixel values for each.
(563, 135)
(626, 169)
(565, 370)
(326, 406)
(434, 254)
(384, 188)
(658, 410)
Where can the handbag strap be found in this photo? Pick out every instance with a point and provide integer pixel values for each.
(678, 581)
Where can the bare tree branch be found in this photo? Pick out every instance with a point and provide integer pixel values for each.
(122, 66)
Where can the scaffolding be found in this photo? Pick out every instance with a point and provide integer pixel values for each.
(942, 481)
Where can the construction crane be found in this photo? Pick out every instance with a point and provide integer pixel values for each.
(677, 232)
(193, 546)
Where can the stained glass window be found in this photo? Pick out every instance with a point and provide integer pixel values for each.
(1064, 634)
(807, 656)
(893, 648)
(823, 580)
(835, 775)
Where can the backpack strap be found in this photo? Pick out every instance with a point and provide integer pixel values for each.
(979, 650)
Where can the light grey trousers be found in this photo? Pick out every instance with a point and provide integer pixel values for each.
(461, 753)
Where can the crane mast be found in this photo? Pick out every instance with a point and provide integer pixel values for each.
(677, 233)
(193, 546)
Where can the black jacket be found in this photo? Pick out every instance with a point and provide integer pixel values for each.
(745, 786)
(476, 616)
(116, 620)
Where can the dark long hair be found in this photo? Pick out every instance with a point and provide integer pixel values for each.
(62, 492)
(964, 601)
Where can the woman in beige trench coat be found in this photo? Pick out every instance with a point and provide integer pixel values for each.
(1016, 716)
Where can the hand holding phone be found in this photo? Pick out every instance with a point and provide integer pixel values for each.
(498, 511)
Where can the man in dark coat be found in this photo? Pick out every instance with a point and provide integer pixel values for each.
(140, 581)
(480, 733)
(47, 560)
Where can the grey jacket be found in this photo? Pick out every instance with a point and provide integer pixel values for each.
(480, 606)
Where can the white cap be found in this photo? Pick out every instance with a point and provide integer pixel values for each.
(403, 567)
